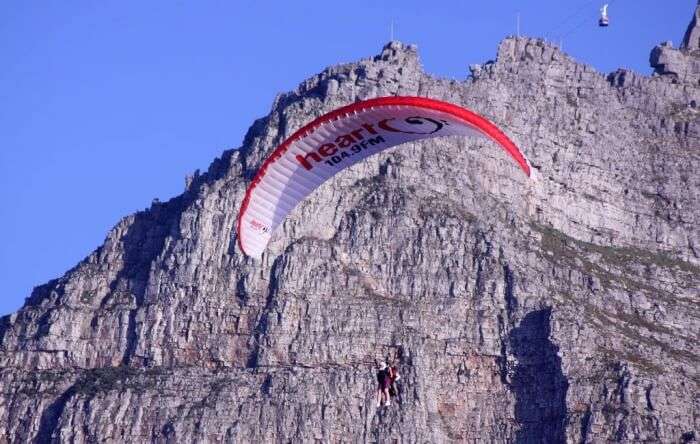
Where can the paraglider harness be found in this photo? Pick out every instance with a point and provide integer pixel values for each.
(384, 378)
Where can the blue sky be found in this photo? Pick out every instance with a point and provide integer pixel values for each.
(107, 105)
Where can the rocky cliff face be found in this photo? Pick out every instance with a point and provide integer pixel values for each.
(560, 310)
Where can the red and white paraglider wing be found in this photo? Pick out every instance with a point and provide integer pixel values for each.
(340, 139)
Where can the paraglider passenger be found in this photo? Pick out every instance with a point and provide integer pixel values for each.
(384, 382)
(395, 376)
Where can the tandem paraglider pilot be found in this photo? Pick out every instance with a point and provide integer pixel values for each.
(387, 376)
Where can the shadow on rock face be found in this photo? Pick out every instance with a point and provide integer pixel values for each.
(538, 382)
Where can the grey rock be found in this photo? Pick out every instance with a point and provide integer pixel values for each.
(680, 64)
(691, 39)
(559, 310)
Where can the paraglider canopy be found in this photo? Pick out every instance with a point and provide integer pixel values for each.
(604, 21)
(341, 138)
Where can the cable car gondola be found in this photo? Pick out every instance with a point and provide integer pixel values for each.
(604, 20)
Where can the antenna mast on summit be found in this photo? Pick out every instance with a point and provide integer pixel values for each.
(391, 31)
(517, 24)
